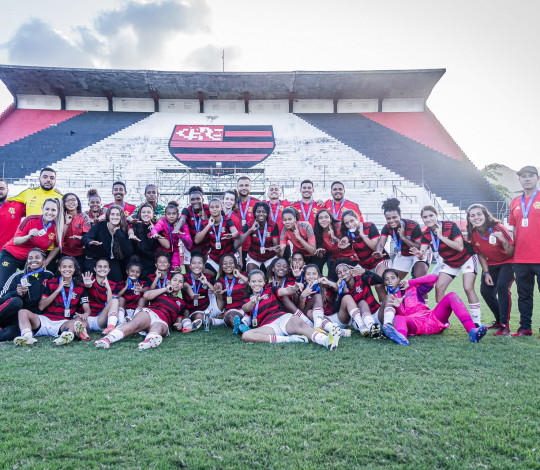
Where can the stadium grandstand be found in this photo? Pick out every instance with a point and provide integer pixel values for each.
(371, 130)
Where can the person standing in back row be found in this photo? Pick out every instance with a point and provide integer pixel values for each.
(307, 207)
(33, 198)
(525, 218)
(338, 204)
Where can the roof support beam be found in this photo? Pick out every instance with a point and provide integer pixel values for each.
(62, 97)
(201, 101)
(109, 96)
(291, 101)
(155, 97)
(337, 96)
(246, 102)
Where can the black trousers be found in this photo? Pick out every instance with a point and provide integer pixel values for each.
(498, 297)
(9, 311)
(8, 266)
(525, 274)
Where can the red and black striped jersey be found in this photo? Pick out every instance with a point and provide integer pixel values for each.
(97, 296)
(130, 296)
(200, 288)
(331, 246)
(451, 257)
(55, 311)
(328, 301)
(288, 281)
(167, 308)
(268, 234)
(362, 289)
(269, 307)
(364, 252)
(495, 254)
(161, 282)
(195, 225)
(227, 245)
(306, 232)
(237, 290)
(412, 232)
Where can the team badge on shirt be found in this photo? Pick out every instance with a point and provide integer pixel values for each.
(202, 145)
(536, 205)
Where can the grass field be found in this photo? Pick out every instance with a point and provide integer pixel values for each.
(206, 400)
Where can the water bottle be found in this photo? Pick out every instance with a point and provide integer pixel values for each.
(207, 320)
(181, 252)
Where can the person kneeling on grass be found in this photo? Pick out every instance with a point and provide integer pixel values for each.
(406, 307)
(63, 296)
(165, 307)
(272, 324)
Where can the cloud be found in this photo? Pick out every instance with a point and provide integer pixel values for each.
(209, 57)
(37, 43)
(134, 35)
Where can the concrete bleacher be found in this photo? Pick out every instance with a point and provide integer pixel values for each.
(133, 147)
(457, 181)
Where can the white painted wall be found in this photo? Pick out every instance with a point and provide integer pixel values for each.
(179, 106)
(357, 106)
(401, 105)
(313, 106)
(133, 105)
(82, 103)
(38, 102)
(269, 106)
(224, 106)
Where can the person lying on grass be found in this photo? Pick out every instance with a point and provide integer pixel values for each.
(165, 306)
(272, 324)
(63, 296)
(406, 308)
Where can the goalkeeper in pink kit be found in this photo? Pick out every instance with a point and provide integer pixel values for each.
(406, 313)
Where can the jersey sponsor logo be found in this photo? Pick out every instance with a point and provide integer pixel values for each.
(536, 205)
(203, 146)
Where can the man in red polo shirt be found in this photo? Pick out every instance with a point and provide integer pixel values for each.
(338, 204)
(525, 218)
(276, 205)
(11, 213)
(119, 191)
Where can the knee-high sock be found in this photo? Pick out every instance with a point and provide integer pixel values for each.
(112, 319)
(304, 318)
(319, 338)
(279, 339)
(452, 303)
(115, 335)
(389, 314)
(318, 316)
(368, 319)
(476, 314)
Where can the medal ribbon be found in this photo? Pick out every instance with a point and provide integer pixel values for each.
(525, 211)
(67, 300)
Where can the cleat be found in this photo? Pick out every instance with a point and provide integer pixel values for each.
(237, 322)
(149, 343)
(494, 326)
(334, 334)
(65, 338)
(504, 330)
(375, 331)
(107, 330)
(243, 328)
(24, 341)
(476, 334)
(391, 333)
(346, 333)
(186, 329)
(80, 331)
(299, 339)
(196, 324)
(102, 343)
(364, 332)
(522, 332)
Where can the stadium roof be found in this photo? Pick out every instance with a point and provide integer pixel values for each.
(220, 85)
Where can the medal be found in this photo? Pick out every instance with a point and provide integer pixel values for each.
(229, 288)
(244, 213)
(229, 300)
(525, 210)
(67, 313)
(492, 240)
(308, 214)
(46, 227)
(196, 302)
(24, 282)
(263, 250)
(243, 222)
(218, 245)
(334, 213)
(41, 232)
(262, 238)
(67, 299)
(196, 289)
(255, 313)
(218, 234)
(524, 222)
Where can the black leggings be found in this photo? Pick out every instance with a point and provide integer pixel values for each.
(498, 297)
(8, 266)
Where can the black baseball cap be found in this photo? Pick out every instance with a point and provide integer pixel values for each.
(528, 169)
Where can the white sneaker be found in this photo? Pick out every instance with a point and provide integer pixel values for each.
(65, 338)
(149, 343)
(24, 341)
(299, 339)
(102, 343)
(333, 337)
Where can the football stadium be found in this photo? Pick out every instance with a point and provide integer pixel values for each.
(206, 363)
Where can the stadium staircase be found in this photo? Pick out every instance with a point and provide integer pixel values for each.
(455, 180)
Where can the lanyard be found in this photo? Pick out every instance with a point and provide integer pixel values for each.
(170, 233)
(435, 240)
(197, 222)
(229, 214)
(393, 290)
(255, 311)
(525, 211)
(244, 213)
(218, 234)
(198, 287)
(274, 216)
(308, 215)
(395, 237)
(67, 300)
(37, 271)
(130, 284)
(229, 289)
(334, 213)
(262, 238)
(162, 283)
(282, 284)
(341, 286)
(50, 223)
(351, 234)
(486, 238)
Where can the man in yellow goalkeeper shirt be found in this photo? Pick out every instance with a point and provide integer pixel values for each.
(33, 198)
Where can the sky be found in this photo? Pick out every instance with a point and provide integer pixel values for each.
(488, 99)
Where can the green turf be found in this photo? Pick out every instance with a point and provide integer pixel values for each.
(206, 400)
